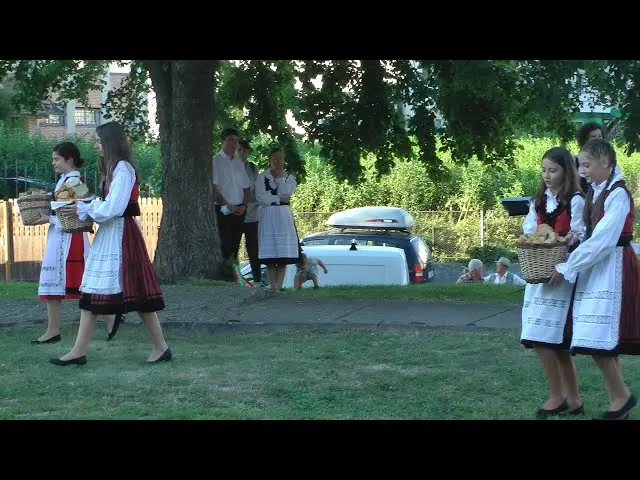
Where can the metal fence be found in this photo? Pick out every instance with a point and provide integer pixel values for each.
(16, 179)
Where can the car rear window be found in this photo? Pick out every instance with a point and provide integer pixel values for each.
(421, 250)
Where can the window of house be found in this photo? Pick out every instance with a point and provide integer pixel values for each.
(86, 116)
(54, 120)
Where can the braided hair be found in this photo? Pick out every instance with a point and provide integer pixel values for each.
(598, 149)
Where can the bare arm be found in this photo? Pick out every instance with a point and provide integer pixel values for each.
(324, 267)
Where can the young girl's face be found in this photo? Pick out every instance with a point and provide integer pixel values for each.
(60, 165)
(595, 169)
(552, 174)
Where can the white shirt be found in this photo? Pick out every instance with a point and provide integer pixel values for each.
(605, 236)
(285, 186)
(530, 223)
(500, 280)
(230, 176)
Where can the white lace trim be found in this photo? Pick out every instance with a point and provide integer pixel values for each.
(613, 320)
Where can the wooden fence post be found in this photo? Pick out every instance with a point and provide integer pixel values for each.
(7, 228)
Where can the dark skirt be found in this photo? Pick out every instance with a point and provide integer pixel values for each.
(141, 290)
(629, 331)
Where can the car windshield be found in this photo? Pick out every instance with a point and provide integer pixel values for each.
(346, 240)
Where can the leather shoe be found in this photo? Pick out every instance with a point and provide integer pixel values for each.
(54, 339)
(74, 361)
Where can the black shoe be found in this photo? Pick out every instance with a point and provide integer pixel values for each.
(576, 411)
(165, 357)
(623, 413)
(116, 324)
(74, 361)
(559, 410)
(54, 339)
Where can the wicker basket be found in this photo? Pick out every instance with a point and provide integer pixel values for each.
(32, 207)
(72, 224)
(538, 260)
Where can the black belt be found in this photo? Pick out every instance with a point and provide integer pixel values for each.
(624, 240)
(132, 210)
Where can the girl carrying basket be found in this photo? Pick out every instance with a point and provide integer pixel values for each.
(65, 254)
(118, 277)
(546, 312)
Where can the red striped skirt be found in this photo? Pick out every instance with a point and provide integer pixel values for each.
(141, 290)
(74, 268)
(629, 342)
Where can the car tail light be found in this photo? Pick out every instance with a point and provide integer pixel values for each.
(418, 272)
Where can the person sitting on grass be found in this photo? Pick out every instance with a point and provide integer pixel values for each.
(473, 274)
(307, 270)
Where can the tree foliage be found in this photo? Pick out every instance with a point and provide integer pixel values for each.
(351, 107)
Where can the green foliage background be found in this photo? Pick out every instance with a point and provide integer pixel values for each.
(447, 213)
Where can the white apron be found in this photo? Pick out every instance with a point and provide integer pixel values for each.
(53, 273)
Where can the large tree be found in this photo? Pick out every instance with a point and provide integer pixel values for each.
(351, 107)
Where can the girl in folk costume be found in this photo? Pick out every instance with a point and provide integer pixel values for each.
(65, 253)
(118, 276)
(278, 244)
(546, 312)
(606, 308)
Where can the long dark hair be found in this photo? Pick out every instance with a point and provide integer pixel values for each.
(115, 147)
(68, 150)
(570, 181)
(597, 149)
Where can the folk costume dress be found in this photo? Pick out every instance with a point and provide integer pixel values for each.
(64, 259)
(606, 308)
(278, 242)
(546, 312)
(118, 277)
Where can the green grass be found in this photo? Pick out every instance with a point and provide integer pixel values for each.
(429, 292)
(408, 374)
(18, 290)
(469, 293)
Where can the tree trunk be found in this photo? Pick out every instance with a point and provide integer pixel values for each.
(188, 242)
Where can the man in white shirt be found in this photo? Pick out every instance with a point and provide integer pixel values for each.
(252, 214)
(502, 275)
(232, 193)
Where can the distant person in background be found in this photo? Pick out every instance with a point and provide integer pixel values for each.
(472, 274)
(231, 193)
(278, 244)
(307, 270)
(503, 276)
(252, 214)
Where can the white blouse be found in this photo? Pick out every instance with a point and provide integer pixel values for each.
(286, 186)
(101, 211)
(605, 236)
(530, 223)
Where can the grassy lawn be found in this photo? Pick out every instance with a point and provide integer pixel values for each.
(409, 374)
(18, 290)
(430, 292)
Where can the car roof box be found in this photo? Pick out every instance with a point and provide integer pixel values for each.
(387, 218)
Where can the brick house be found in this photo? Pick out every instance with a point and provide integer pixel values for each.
(73, 118)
